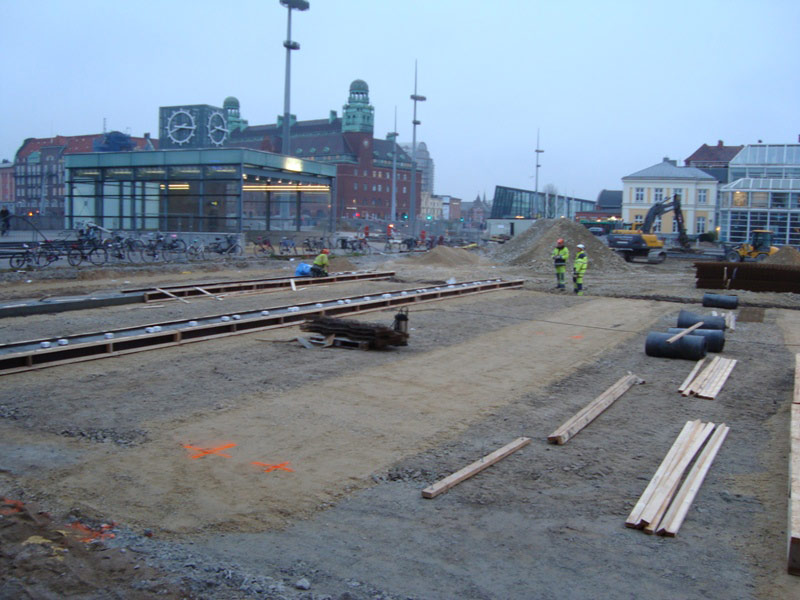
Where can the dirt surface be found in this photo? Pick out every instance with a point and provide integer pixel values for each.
(251, 467)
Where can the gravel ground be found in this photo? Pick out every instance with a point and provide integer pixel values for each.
(365, 431)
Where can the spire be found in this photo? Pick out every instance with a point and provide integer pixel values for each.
(358, 115)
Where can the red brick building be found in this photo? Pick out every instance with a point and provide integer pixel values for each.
(7, 184)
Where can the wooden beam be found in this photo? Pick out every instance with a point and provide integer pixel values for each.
(592, 410)
(171, 295)
(714, 387)
(680, 506)
(487, 461)
(691, 375)
(793, 559)
(207, 293)
(686, 331)
(703, 377)
(796, 399)
(634, 519)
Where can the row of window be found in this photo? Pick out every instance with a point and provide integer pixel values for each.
(381, 175)
(699, 224)
(376, 188)
(742, 199)
(658, 195)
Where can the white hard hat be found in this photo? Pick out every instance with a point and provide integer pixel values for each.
(581, 246)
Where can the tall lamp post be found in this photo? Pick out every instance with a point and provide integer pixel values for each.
(412, 209)
(289, 45)
(538, 152)
(393, 136)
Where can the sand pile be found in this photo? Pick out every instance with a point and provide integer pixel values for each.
(340, 264)
(785, 256)
(534, 247)
(444, 256)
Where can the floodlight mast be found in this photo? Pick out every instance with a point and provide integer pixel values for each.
(289, 45)
(393, 136)
(536, 192)
(412, 209)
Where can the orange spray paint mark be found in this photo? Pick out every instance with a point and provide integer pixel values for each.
(206, 451)
(101, 533)
(268, 467)
(576, 337)
(11, 507)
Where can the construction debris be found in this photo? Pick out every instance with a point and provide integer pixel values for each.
(708, 383)
(487, 461)
(375, 335)
(659, 509)
(592, 410)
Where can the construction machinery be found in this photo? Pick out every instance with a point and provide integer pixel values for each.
(758, 247)
(642, 242)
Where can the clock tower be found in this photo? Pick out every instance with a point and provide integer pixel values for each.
(358, 116)
(192, 126)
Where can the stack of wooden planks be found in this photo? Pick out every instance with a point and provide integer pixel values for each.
(794, 477)
(708, 382)
(590, 412)
(375, 335)
(730, 319)
(664, 504)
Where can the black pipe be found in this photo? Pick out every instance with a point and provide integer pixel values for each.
(691, 347)
(720, 301)
(687, 319)
(715, 338)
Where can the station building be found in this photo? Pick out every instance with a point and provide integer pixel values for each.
(207, 189)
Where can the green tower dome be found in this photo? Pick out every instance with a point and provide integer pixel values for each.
(231, 102)
(358, 115)
(359, 85)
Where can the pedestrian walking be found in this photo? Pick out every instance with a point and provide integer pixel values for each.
(560, 258)
(5, 220)
(579, 269)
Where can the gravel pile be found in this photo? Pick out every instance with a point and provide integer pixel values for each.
(785, 256)
(444, 256)
(534, 247)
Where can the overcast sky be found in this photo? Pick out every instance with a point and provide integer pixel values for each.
(613, 87)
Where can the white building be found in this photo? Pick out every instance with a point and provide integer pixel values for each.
(659, 183)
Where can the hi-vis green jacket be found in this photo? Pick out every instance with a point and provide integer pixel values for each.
(580, 264)
(560, 256)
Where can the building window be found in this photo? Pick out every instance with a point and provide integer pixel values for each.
(639, 195)
(355, 172)
(373, 187)
(678, 192)
(700, 226)
(657, 225)
(702, 198)
(404, 189)
(380, 187)
(638, 219)
(355, 186)
(658, 195)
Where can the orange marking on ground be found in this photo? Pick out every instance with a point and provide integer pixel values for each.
(576, 337)
(206, 451)
(93, 534)
(13, 507)
(279, 467)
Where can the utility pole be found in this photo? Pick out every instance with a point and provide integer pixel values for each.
(393, 136)
(289, 45)
(412, 209)
(538, 152)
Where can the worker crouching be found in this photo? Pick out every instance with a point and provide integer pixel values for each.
(579, 269)
(560, 258)
(320, 266)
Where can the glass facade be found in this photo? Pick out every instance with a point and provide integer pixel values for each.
(227, 190)
(510, 203)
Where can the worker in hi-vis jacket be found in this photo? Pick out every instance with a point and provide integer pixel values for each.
(579, 269)
(560, 258)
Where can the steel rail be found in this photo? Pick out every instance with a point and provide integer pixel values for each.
(17, 357)
(250, 286)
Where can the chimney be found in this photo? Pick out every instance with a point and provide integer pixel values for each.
(720, 144)
(674, 163)
(332, 116)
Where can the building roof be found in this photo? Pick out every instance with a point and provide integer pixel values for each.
(609, 200)
(768, 154)
(71, 144)
(719, 155)
(761, 183)
(668, 169)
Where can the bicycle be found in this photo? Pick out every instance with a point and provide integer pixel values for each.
(219, 249)
(360, 246)
(194, 251)
(313, 245)
(288, 246)
(263, 248)
(25, 258)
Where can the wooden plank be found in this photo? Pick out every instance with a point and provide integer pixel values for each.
(713, 389)
(207, 293)
(591, 411)
(691, 375)
(650, 528)
(683, 500)
(634, 519)
(793, 529)
(171, 295)
(487, 461)
(732, 325)
(712, 378)
(686, 331)
(796, 399)
(661, 495)
(703, 377)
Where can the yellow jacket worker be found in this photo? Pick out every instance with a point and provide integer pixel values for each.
(320, 266)
(560, 258)
(579, 269)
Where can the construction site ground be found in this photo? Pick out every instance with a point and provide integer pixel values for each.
(347, 439)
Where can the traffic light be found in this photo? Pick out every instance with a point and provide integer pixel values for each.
(429, 217)
(461, 219)
(358, 214)
(405, 215)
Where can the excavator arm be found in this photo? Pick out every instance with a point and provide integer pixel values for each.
(659, 209)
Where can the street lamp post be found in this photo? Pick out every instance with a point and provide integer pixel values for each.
(538, 152)
(393, 136)
(289, 45)
(412, 209)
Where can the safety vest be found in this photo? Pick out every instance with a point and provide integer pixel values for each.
(321, 260)
(560, 256)
(581, 262)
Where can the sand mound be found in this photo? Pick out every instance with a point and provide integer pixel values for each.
(534, 247)
(787, 255)
(444, 256)
(341, 264)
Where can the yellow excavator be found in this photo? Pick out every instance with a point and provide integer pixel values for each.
(642, 243)
(758, 247)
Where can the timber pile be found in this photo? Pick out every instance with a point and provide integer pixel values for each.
(663, 505)
(375, 335)
(708, 382)
(794, 477)
(592, 410)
